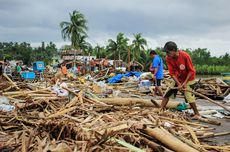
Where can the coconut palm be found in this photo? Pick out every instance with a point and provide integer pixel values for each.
(85, 46)
(138, 47)
(112, 48)
(100, 51)
(75, 29)
(118, 46)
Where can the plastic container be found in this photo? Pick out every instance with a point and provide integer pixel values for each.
(144, 86)
(145, 83)
(226, 77)
(39, 66)
(28, 75)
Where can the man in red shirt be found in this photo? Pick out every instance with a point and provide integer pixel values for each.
(183, 73)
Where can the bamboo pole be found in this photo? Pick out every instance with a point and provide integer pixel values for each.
(11, 81)
(210, 100)
(193, 135)
(169, 140)
(135, 101)
(25, 92)
(62, 112)
(189, 142)
(183, 122)
(210, 121)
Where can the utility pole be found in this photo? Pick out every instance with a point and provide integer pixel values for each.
(128, 59)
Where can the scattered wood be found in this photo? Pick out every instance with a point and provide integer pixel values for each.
(85, 121)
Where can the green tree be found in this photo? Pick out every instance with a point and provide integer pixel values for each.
(117, 47)
(99, 51)
(225, 59)
(201, 56)
(112, 49)
(137, 48)
(75, 30)
(44, 53)
(85, 46)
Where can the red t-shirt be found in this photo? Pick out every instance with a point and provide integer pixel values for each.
(181, 66)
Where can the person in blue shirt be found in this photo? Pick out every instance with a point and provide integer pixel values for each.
(158, 71)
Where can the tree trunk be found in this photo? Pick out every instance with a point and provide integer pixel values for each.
(128, 59)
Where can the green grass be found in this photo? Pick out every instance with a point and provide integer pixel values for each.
(211, 69)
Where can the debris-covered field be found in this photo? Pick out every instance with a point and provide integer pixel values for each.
(85, 115)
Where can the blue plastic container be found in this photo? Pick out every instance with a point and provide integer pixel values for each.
(39, 66)
(28, 75)
(226, 77)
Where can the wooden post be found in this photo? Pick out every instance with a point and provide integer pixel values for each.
(128, 59)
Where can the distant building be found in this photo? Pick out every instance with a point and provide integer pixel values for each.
(68, 55)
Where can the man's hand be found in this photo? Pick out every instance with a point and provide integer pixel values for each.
(180, 87)
(184, 85)
(154, 77)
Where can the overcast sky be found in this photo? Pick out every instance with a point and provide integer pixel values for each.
(190, 23)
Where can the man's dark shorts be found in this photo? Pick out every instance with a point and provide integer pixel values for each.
(189, 97)
(158, 82)
(92, 68)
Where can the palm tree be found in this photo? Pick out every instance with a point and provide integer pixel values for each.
(112, 48)
(85, 46)
(118, 46)
(137, 47)
(74, 30)
(99, 51)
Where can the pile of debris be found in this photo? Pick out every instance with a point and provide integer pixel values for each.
(213, 87)
(81, 121)
(6, 83)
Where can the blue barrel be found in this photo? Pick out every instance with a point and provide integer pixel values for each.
(226, 77)
(28, 75)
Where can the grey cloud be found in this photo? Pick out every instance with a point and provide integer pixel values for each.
(38, 20)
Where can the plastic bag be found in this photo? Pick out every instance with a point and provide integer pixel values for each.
(4, 107)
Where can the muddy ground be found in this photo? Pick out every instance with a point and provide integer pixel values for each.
(224, 127)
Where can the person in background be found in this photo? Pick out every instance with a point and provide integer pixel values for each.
(92, 64)
(84, 67)
(105, 63)
(64, 69)
(158, 72)
(18, 69)
(7, 69)
(183, 73)
(74, 69)
(79, 69)
(136, 66)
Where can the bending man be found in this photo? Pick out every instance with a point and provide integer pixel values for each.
(183, 73)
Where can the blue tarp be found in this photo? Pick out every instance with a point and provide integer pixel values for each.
(118, 77)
